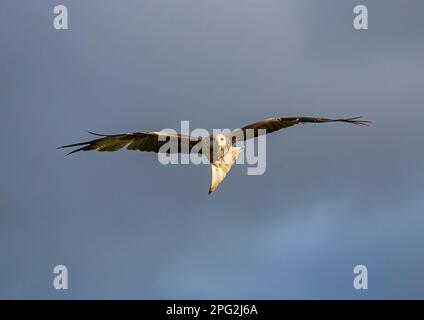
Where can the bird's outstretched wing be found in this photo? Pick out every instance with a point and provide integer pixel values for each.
(275, 124)
(141, 141)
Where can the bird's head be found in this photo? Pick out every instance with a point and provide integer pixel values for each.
(220, 140)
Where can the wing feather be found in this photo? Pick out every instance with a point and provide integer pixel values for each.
(137, 141)
(275, 124)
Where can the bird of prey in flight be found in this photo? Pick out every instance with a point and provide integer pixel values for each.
(220, 149)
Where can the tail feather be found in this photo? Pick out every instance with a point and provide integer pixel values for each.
(220, 168)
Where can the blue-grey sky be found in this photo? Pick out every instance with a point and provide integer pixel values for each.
(333, 195)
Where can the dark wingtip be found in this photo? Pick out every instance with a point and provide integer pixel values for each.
(84, 144)
(74, 151)
(69, 153)
(356, 120)
(96, 134)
